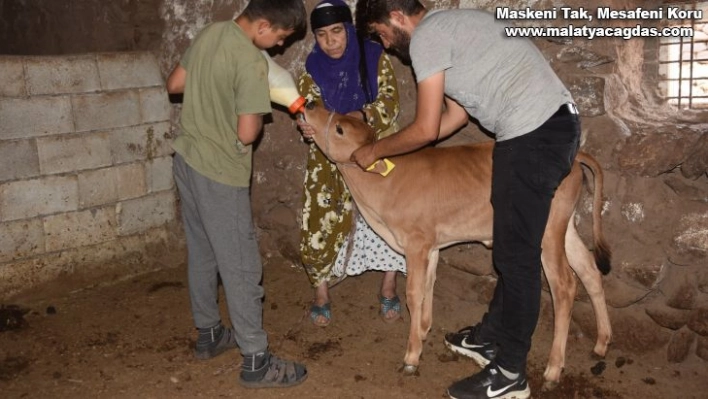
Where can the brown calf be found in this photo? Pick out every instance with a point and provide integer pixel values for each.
(437, 197)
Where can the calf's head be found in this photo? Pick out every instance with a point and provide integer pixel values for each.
(335, 134)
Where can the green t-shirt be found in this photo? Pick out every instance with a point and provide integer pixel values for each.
(226, 76)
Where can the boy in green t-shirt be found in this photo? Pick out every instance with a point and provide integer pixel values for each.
(224, 78)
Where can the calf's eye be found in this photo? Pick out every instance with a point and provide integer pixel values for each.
(340, 130)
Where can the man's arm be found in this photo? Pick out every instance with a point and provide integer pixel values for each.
(453, 118)
(421, 132)
(176, 80)
(249, 127)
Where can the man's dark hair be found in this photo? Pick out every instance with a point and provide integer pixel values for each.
(378, 11)
(282, 14)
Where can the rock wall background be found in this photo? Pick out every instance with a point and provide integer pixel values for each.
(654, 156)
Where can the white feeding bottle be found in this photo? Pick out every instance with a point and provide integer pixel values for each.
(283, 90)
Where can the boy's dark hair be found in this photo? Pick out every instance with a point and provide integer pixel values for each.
(378, 11)
(282, 14)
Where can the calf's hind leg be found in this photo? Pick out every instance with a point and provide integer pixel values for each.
(583, 263)
(563, 289)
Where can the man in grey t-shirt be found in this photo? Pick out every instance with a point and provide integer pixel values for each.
(463, 59)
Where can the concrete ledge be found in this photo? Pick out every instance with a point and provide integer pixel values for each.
(116, 255)
(21, 239)
(12, 76)
(61, 75)
(126, 70)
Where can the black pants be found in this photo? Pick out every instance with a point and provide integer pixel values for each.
(526, 172)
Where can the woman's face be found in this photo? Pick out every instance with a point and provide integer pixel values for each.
(332, 39)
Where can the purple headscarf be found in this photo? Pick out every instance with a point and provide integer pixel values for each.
(339, 80)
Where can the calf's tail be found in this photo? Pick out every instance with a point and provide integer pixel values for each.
(601, 251)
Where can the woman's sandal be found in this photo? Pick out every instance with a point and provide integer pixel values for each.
(390, 304)
(325, 311)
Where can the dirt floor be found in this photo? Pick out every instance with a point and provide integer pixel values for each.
(132, 339)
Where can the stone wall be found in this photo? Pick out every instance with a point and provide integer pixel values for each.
(85, 167)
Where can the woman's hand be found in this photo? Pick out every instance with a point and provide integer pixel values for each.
(305, 129)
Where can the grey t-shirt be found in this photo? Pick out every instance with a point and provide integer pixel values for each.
(505, 83)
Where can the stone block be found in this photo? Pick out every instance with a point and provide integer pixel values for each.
(698, 322)
(130, 144)
(696, 165)
(583, 57)
(140, 142)
(18, 159)
(127, 70)
(31, 198)
(76, 229)
(589, 93)
(679, 288)
(61, 75)
(106, 110)
(679, 345)
(36, 116)
(12, 77)
(155, 105)
(97, 187)
(632, 334)
(160, 140)
(702, 348)
(21, 239)
(140, 214)
(693, 235)
(61, 154)
(668, 317)
(110, 185)
(653, 152)
(159, 174)
(619, 293)
(130, 181)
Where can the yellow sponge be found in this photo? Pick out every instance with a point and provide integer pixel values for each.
(389, 166)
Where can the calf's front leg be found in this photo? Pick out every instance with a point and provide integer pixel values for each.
(430, 274)
(416, 263)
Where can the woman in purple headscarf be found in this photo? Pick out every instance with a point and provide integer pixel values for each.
(352, 76)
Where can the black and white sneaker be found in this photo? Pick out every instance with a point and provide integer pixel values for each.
(490, 383)
(464, 343)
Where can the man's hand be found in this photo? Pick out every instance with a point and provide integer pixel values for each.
(365, 156)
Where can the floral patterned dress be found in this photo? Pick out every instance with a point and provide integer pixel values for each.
(328, 210)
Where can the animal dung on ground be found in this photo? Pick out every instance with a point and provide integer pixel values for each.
(598, 368)
(12, 317)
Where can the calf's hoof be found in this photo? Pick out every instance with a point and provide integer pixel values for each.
(409, 370)
(551, 378)
(549, 385)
